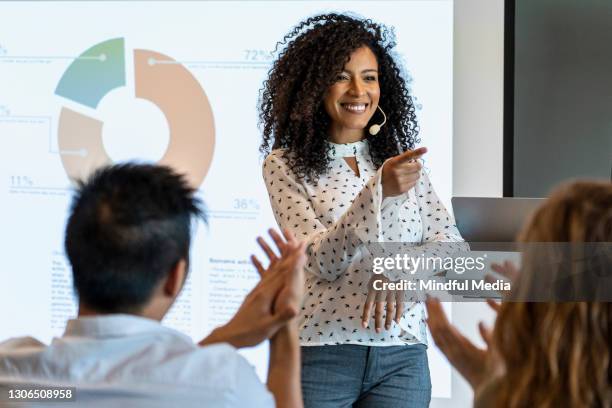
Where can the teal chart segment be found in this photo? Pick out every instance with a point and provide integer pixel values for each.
(105, 62)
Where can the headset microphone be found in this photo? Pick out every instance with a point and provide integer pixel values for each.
(374, 129)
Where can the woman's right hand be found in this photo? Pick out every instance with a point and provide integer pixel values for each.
(401, 173)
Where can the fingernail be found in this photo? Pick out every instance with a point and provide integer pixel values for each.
(378, 330)
(388, 326)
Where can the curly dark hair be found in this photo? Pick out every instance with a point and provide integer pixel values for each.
(291, 106)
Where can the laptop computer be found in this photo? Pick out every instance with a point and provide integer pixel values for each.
(492, 219)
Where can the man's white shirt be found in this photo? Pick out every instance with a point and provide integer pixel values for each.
(125, 360)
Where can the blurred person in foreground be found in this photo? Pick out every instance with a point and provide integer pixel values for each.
(128, 239)
(544, 354)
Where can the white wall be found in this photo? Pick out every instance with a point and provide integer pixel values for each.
(477, 137)
(478, 98)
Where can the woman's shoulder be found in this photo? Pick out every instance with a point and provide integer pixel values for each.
(277, 157)
(277, 153)
(276, 163)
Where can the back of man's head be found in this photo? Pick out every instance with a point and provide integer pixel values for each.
(129, 225)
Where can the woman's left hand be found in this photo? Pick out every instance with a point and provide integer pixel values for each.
(508, 270)
(388, 305)
(472, 362)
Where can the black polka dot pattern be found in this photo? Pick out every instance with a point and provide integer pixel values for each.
(336, 216)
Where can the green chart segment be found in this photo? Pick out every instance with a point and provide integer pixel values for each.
(105, 62)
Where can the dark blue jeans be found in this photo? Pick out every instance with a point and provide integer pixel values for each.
(347, 376)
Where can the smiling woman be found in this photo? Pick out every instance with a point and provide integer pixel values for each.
(339, 187)
(312, 63)
(352, 100)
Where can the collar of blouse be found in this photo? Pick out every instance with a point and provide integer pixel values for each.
(355, 149)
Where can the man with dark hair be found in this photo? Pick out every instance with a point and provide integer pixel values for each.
(128, 239)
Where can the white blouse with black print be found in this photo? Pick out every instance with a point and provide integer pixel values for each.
(337, 215)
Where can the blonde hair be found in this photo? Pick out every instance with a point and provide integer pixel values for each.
(558, 354)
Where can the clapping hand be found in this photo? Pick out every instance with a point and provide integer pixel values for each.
(472, 362)
(290, 266)
(508, 270)
(274, 301)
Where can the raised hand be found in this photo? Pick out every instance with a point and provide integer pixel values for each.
(289, 300)
(472, 362)
(401, 173)
(508, 270)
(510, 273)
(274, 301)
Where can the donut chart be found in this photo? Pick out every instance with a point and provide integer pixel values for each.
(158, 79)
